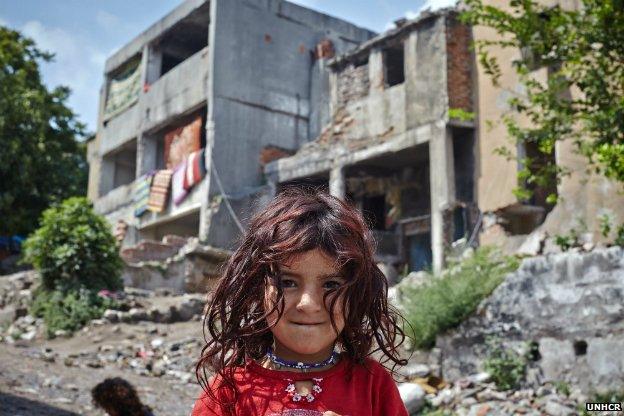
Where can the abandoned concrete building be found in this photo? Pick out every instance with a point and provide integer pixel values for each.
(226, 77)
(253, 96)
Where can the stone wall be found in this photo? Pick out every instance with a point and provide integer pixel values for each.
(569, 305)
(353, 84)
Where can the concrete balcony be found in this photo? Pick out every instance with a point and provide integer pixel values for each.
(115, 199)
(177, 92)
(120, 129)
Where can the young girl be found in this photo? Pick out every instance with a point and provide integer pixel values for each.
(300, 308)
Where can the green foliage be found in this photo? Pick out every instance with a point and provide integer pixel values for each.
(68, 310)
(41, 160)
(447, 300)
(572, 238)
(562, 387)
(583, 98)
(460, 114)
(605, 225)
(506, 367)
(74, 248)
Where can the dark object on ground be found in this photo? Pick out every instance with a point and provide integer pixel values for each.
(119, 398)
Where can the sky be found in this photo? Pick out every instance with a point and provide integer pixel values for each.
(83, 33)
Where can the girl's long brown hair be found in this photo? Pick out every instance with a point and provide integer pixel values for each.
(296, 221)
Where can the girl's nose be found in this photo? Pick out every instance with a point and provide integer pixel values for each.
(309, 302)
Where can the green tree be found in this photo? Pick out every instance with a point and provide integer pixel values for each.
(74, 248)
(583, 99)
(41, 159)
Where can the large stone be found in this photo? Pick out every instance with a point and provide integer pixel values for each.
(7, 315)
(413, 396)
(568, 305)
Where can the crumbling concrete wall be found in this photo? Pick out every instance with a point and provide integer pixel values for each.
(353, 84)
(583, 197)
(266, 102)
(569, 305)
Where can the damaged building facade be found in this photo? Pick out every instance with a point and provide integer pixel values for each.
(391, 148)
(188, 106)
(214, 109)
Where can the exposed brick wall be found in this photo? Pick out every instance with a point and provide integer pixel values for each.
(271, 153)
(353, 84)
(459, 64)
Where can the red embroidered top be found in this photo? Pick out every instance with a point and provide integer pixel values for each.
(371, 391)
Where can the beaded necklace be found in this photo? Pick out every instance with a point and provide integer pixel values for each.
(316, 381)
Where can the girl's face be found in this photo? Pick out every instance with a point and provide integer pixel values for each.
(304, 332)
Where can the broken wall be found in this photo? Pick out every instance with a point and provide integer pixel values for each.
(268, 101)
(459, 65)
(583, 197)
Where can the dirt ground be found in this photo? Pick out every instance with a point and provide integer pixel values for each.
(31, 385)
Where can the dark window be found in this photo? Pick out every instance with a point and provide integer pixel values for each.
(394, 65)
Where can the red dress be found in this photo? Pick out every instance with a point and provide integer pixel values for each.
(262, 392)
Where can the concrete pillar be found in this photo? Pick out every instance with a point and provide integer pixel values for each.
(142, 146)
(337, 186)
(376, 121)
(205, 212)
(442, 183)
(412, 101)
(154, 64)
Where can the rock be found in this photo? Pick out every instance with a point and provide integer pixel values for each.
(137, 314)
(71, 387)
(480, 378)
(51, 382)
(413, 396)
(156, 343)
(416, 278)
(159, 367)
(189, 307)
(61, 333)
(534, 243)
(489, 394)
(29, 336)
(415, 370)
(553, 408)
(111, 315)
(7, 315)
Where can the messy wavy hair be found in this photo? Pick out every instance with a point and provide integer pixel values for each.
(296, 221)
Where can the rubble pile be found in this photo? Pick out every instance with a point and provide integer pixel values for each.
(476, 395)
(135, 305)
(154, 357)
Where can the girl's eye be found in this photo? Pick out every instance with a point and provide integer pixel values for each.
(332, 284)
(286, 283)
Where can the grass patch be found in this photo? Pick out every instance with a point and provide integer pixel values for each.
(69, 311)
(506, 366)
(447, 300)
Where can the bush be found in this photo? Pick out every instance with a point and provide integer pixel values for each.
(505, 366)
(446, 301)
(74, 248)
(70, 310)
(76, 256)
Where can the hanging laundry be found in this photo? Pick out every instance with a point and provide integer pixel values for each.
(177, 183)
(195, 169)
(141, 194)
(181, 142)
(159, 191)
